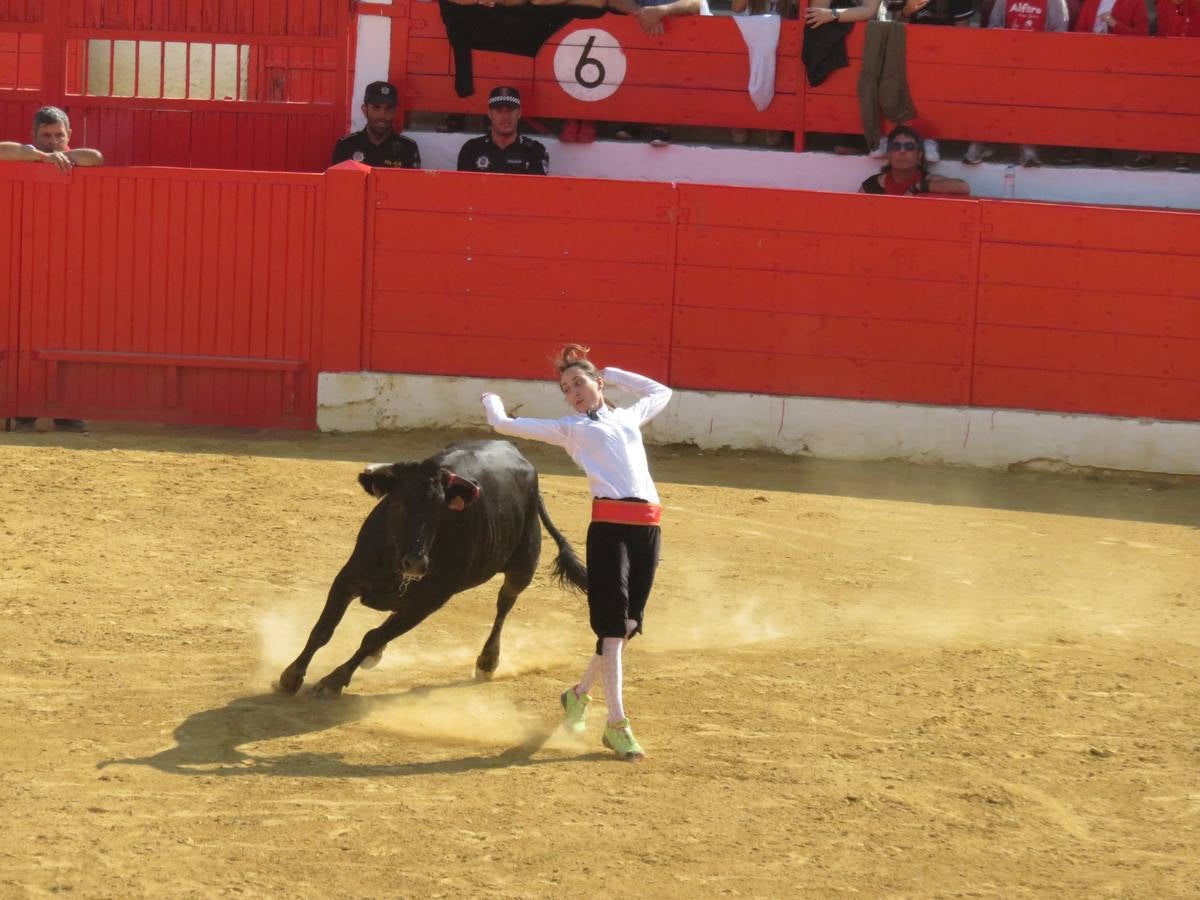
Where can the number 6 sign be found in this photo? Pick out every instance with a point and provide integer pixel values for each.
(589, 64)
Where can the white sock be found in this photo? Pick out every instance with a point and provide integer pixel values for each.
(589, 675)
(612, 679)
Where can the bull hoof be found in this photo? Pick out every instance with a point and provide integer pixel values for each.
(289, 682)
(325, 688)
(486, 665)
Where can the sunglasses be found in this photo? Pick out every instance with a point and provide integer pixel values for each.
(902, 145)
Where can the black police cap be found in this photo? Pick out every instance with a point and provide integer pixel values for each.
(380, 93)
(504, 96)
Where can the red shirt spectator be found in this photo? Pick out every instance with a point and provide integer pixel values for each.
(1124, 17)
(1179, 18)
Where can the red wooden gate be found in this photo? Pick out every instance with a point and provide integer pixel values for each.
(10, 294)
(251, 84)
(167, 296)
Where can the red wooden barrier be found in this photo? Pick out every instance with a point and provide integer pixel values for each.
(10, 292)
(290, 104)
(195, 296)
(206, 83)
(181, 297)
(1138, 93)
(824, 295)
(696, 73)
(483, 274)
(970, 84)
(1089, 310)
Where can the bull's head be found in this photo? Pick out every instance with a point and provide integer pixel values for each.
(418, 495)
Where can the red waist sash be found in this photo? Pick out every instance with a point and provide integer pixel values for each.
(626, 512)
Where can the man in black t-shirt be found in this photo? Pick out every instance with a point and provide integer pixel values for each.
(378, 144)
(502, 149)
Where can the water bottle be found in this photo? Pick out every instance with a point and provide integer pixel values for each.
(1010, 181)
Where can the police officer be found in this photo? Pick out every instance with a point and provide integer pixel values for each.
(378, 144)
(502, 149)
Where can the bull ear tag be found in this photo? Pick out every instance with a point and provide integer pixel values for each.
(466, 491)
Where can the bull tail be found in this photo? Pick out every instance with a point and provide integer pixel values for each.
(569, 570)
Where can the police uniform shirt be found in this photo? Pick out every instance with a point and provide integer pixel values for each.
(396, 151)
(524, 156)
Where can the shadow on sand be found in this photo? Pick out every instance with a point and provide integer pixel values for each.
(1167, 499)
(208, 743)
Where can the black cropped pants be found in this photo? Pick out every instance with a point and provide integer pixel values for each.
(621, 561)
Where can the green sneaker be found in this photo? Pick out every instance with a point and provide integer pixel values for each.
(576, 709)
(619, 738)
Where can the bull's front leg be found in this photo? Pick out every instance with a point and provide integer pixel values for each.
(373, 643)
(341, 592)
(489, 657)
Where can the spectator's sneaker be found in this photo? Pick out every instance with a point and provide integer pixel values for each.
(740, 136)
(619, 739)
(77, 426)
(624, 133)
(576, 710)
(660, 137)
(1104, 158)
(879, 152)
(570, 131)
(1070, 156)
(24, 423)
(976, 153)
(1181, 164)
(931, 151)
(1029, 157)
(586, 133)
(1140, 161)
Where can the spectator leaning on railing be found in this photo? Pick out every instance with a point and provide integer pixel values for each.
(650, 15)
(906, 172)
(51, 144)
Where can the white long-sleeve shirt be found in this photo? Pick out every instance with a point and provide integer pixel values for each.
(609, 448)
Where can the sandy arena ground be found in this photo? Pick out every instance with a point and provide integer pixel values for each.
(857, 680)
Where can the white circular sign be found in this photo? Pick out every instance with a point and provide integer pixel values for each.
(589, 64)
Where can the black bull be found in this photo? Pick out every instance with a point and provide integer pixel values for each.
(443, 525)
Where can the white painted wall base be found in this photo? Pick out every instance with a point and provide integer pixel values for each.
(830, 429)
(748, 167)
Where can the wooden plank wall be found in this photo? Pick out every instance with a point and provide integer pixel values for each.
(1136, 93)
(1139, 93)
(1089, 310)
(168, 296)
(824, 295)
(695, 73)
(473, 275)
(215, 297)
(10, 292)
(294, 110)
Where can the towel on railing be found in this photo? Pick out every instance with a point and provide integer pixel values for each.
(824, 51)
(761, 34)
